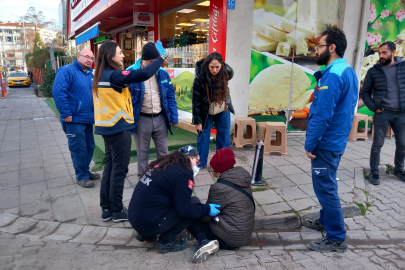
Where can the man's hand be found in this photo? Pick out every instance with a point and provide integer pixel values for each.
(379, 111)
(198, 127)
(68, 119)
(309, 155)
(173, 124)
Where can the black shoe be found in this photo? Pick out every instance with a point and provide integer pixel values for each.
(326, 245)
(120, 216)
(173, 246)
(205, 249)
(94, 176)
(86, 183)
(314, 224)
(374, 178)
(106, 215)
(186, 235)
(140, 238)
(399, 174)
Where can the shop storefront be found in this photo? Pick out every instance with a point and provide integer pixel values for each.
(270, 44)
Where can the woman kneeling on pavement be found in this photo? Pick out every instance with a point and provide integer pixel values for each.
(233, 227)
(162, 202)
(114, 120)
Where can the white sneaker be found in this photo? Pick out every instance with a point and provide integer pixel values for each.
(206, 248)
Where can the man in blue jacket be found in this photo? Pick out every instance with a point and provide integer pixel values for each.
(329, 123)
(155, 109)
(72, 92)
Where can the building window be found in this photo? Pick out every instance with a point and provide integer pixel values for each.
(20, 62)
(9, 39)
(16, 31)
(12, 62)
(8, 31)
(1, 39)
(17, 39)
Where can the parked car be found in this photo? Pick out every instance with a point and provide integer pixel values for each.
(19, 78)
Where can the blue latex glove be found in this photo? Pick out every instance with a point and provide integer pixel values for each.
(214, 211)
(160, 48)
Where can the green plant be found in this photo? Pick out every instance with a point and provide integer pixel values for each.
(389, 169)
(46, 86)
(368, 204)
(365, 174)
(297, 213)
(258, 189)
(362, 208)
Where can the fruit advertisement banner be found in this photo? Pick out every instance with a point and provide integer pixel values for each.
(285, 34)
(386, 22)
(182, 81)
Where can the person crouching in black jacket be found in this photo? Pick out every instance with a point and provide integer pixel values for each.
(162, 202)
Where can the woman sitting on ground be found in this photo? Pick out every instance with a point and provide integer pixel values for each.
(162, 202)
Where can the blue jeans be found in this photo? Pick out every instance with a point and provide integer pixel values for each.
(324, 168)
(81, 146)
(223, 139)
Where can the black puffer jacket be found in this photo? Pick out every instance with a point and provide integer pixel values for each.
(200, 99)
(376, 82)
(237, 217)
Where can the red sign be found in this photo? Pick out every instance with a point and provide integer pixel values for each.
(190, 184)
(74, 3)
(171, 73)
(217, 32)
(144, 17)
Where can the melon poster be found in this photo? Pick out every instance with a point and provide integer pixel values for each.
(285, 34)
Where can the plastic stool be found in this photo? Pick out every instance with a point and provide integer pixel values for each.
(262, 130)
(355, 132)
(240, 138)
(280, 143)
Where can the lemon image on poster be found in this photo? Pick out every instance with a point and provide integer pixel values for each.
(270, 89)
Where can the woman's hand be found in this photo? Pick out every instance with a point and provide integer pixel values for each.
(213, 209)
(198, 127)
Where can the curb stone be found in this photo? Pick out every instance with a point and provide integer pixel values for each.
(277, 221)
(117, 236)
(6, 219)
(19, 225)
(90, 235)
(349, 210)
(65, 232)
(41, 229)
(359, 186)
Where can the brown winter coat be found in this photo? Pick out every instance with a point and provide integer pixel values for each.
(237, 215)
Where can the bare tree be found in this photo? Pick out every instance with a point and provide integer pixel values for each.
(36, 19)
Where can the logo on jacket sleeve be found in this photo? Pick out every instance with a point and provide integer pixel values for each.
(190, 184)
(125, 73)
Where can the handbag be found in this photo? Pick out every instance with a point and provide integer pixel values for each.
(215, 108)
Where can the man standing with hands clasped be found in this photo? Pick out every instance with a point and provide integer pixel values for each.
(329, 124)
(72, 91)
(387, 80)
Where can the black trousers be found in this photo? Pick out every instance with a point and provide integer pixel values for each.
(117, 155)
(172, 225)
(201, 230)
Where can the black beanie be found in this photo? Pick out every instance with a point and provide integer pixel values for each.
(150, 52)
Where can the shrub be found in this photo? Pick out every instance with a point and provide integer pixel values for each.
(46, 86)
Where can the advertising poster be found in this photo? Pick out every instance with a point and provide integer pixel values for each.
(386, 22)
(182, 81)
(285, 33)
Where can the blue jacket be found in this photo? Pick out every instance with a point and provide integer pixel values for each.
(332, 110)
(167, 96)
(72, 92)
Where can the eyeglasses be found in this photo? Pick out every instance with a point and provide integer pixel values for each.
(88, 57)
(198, 161)
(319, 46)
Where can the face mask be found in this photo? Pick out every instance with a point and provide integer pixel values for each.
(196, 169)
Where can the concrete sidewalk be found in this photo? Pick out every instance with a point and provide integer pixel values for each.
(37, 176)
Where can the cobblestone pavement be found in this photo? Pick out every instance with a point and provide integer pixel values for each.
(37, 182)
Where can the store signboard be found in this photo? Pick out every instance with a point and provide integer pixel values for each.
(283, 56)
(144, 19)
(231, 4)
(217, 32)
(77, 7)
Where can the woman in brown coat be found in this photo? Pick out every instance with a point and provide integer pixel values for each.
(233, 227)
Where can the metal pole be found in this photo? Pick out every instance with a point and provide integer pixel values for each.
(25, 45)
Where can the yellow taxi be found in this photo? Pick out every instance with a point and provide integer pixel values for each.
(19, 78)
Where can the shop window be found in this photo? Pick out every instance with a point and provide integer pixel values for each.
(185, 36)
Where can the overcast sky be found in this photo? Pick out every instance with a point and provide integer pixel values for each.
(20, 8)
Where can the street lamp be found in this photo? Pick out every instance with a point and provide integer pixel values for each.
(25, 40)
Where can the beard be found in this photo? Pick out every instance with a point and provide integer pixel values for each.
(323, 58)
(385, 61)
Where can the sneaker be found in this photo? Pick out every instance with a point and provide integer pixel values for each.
(326, 245)
(140, 238)
(106, 215)
(186, 235)
(120, 216)
(86, 183)
(173, 246)
(314, 224)
(206, 249)
(374, 178)
(399, 174)
(94, 176)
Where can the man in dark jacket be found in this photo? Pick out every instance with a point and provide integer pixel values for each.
(233, 227)
(329, 124)
(155, 109)
(386, 80)
(72, 91)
